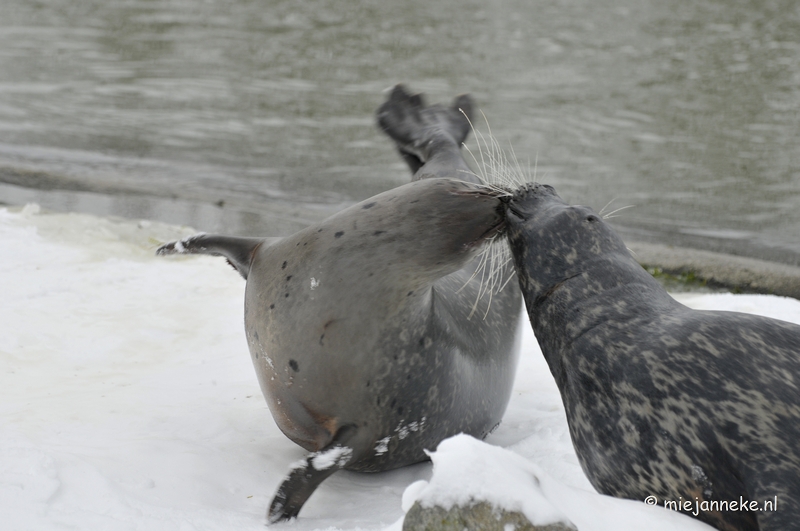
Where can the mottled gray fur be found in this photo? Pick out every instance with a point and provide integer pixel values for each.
(661, 400)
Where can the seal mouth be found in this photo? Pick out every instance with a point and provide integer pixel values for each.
(512, 214)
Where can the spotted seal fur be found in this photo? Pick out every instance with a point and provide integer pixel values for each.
(359, 327)
(661, 400)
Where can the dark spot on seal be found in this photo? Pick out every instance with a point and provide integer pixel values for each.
(415, 200)
(410, 293)
(271, 306)
(288, 278)
(408, 376)
(338, 234)
(379, 401)
(287, 295)
(422, 341)
(284, 265)
(320, 230)
(294, 366)
(321, 338)
(369, 205)
(378, 232)
(400, 410)
(394, 401)
(367, 383)
(370, 274)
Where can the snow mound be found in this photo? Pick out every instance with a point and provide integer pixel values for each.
(466, 471)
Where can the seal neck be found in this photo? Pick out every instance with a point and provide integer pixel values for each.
(583, 311)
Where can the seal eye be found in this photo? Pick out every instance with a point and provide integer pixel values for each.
(591, 218)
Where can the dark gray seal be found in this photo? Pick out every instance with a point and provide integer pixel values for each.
(661, 400)
(359, 327)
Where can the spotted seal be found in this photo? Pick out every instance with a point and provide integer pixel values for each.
(359, 327)
(661, 400)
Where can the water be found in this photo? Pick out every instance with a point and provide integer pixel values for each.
(256, 116)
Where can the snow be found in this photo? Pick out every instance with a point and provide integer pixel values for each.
(465, 469)
(128, 400)
(324, 460)
(496, 475)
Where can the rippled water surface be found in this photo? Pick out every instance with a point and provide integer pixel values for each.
(256, 116)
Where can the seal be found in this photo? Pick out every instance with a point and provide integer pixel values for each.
(359, 327)
(661, 400)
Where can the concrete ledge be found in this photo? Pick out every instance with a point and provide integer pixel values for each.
(736, 273)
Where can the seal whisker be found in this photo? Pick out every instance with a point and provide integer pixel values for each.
(510, 276)
(481, 268)
(611, 214)
(501, 256)
(600, 213)
(494, 166)
(502, 192)
(496, 256)
(478, 269)
(519, 173)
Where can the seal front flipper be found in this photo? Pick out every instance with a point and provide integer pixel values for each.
(304, 479)
(238, 251)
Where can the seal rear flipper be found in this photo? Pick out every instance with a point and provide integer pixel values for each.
(421, 132)
(304, 479)
(238, 251)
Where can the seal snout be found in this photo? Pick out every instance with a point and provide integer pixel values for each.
(532, 190)
(526, 201)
